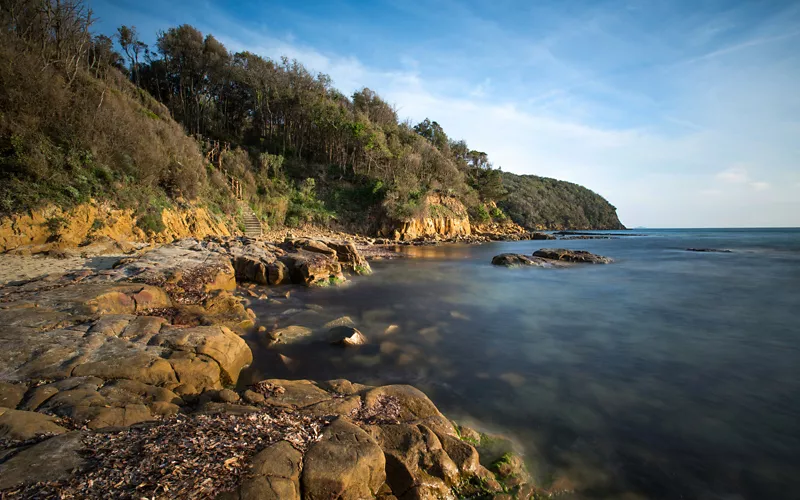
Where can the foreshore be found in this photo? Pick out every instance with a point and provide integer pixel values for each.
(108, 356)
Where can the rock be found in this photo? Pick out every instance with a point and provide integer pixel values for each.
(163, 409)
(11, 394)
(294, 393)
(23, 425)
(513, 259)
(251, 270)
(415, 406)
(309, 268)
(186, 271)
(562, 254)
(228, 396)
(343, 387)
(463, 454)
(289, 334)
(712, 250)
(278, 273)
(275, 474)
(542, 236)
(315, 246)
(198, 372)
(253, 397)
(416, 464)
(345, 464)
(346, 336)
(350, 258)
(341, 321)
(54, 459)
(217, 342)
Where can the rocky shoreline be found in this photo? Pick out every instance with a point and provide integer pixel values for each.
(122, 381)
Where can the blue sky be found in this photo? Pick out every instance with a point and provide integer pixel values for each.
(681, 113)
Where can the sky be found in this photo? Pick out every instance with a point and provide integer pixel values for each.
(680, 113)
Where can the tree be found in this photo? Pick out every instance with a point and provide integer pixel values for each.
(128, 39)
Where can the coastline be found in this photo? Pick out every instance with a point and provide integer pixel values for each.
(177, 322)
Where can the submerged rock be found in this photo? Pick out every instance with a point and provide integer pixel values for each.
(346, 336)
(562, 254)
(712, 250)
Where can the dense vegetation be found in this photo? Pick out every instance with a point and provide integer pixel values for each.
(541, 202)
(81, 120)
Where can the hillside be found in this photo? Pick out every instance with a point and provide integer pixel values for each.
(194, 125)
(543, 203)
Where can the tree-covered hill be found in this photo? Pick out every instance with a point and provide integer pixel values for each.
(105, 116)
(541, 202)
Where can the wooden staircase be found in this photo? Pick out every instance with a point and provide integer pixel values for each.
(252, 225)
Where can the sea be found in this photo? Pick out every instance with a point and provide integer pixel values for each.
(668, 374)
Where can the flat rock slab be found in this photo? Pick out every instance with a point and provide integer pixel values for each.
(51, 460)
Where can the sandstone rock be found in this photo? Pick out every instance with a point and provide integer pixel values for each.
(341, 321)
(343, 387)
(278, 273)
(23, 425)
(196, 371)
(414, 404)
(11, 394)
(275, 473)
(228, 396)
(251, 270)
(51, 460)
(295, 393)
(315, 246)
(289, 334)
(542, 236)
(346, 336)
(513, 259)
(309, 268)
(164, 409)
(571, 256)
(416, 464)
(346, 464)
(253, 397)
(217, 342)
(350, 258)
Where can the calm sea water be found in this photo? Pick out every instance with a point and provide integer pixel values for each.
(668, 374)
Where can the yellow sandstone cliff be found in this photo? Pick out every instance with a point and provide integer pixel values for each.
(51, 228)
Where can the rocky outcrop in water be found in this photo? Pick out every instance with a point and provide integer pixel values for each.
(581, 256)
(547, 257)
(708, 250)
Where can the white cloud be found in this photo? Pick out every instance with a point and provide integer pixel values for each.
(760, 185)
(734, 175)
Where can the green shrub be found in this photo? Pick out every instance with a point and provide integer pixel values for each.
(479, 214)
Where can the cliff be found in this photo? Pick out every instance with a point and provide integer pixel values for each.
(543, 203)
(53, 228)
(440, 216)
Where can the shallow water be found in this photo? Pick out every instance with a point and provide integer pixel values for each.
(668, 374)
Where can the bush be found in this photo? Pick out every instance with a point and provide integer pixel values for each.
(479, 214)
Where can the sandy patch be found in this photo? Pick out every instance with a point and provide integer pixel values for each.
(19, 268)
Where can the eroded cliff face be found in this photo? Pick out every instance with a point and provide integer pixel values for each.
(443, 217)
(51, 228)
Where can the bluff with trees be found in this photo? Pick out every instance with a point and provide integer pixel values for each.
(187, 119)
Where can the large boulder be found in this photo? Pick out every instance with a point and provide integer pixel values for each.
(274, 474)
(350, 258)
(346, 463)
(311, 268)
(416, 463)
(562, 254)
